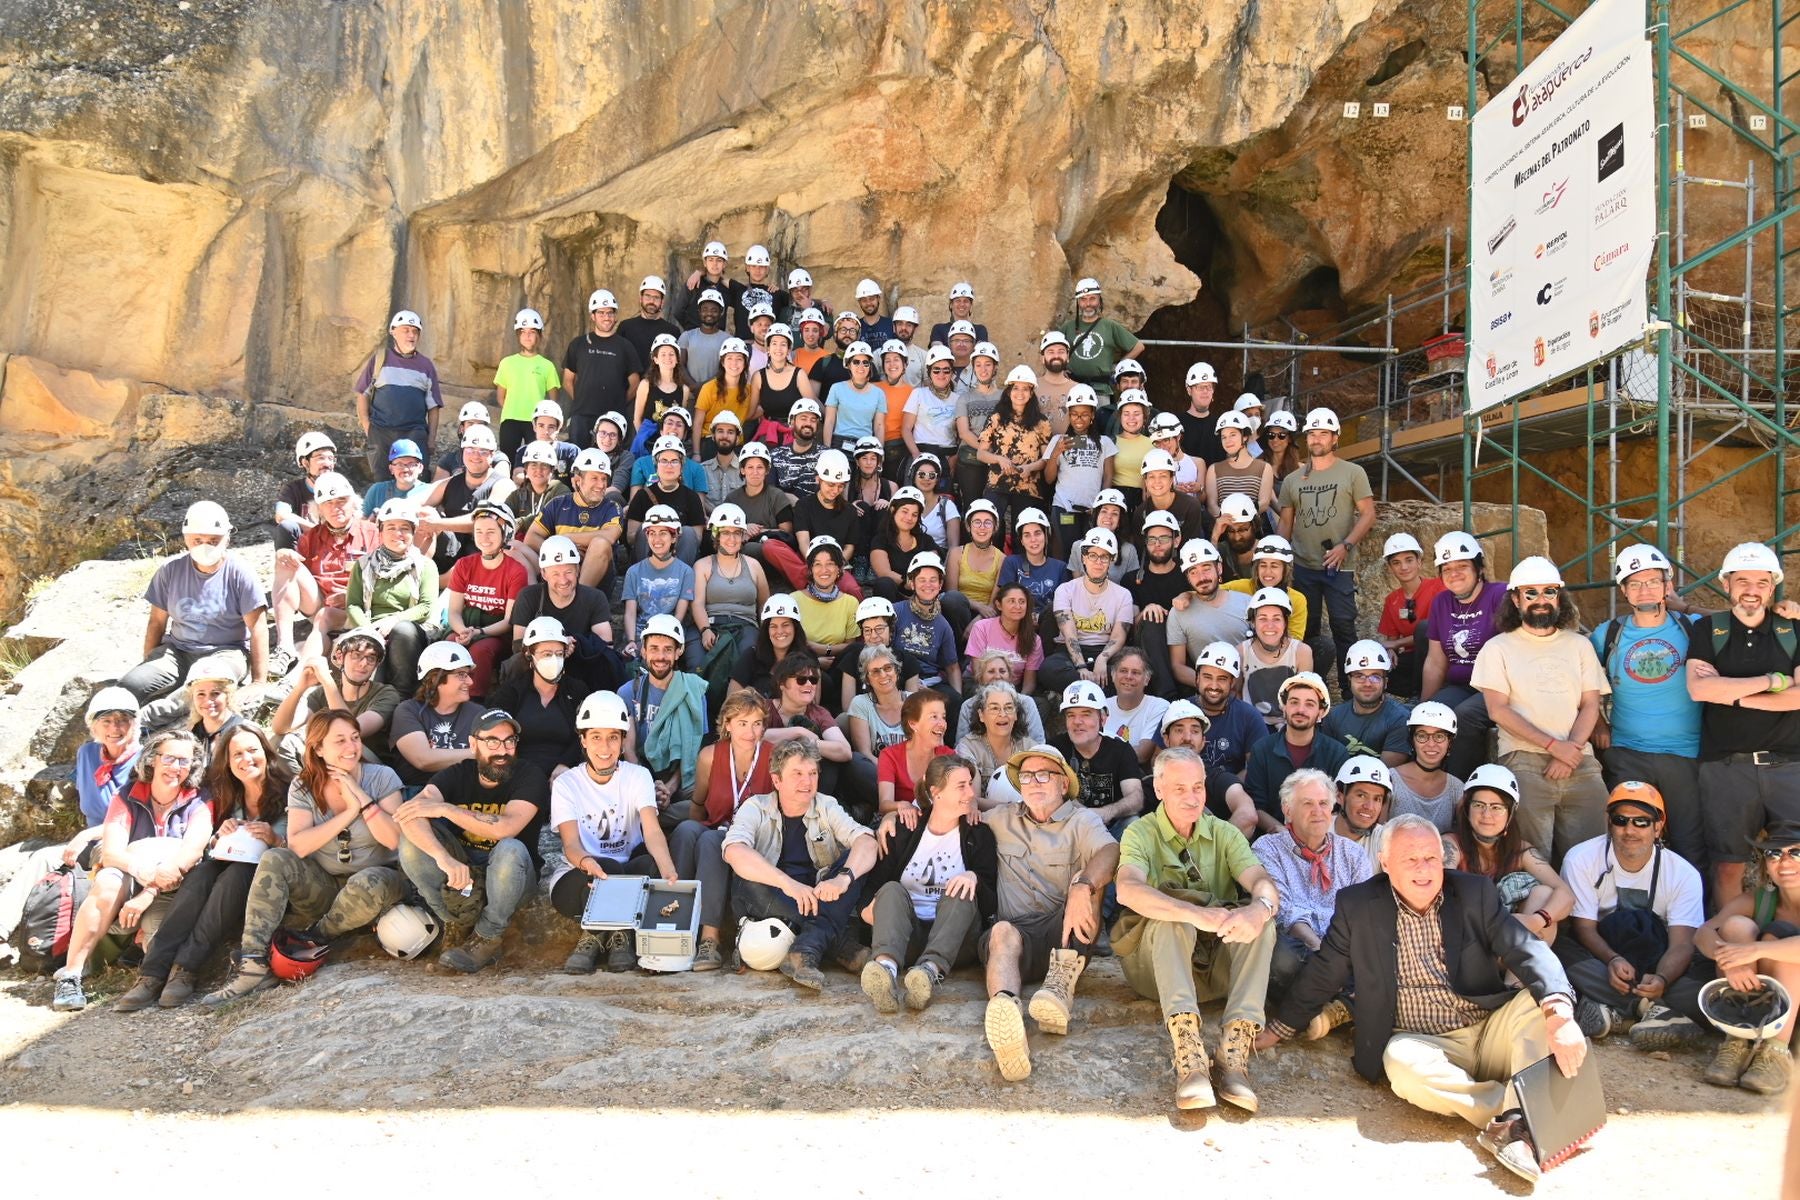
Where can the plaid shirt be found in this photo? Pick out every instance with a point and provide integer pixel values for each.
(1426, 1002)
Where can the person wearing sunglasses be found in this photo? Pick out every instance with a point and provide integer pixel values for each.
(1542, 684)
(1753, 935)
(1638, 908)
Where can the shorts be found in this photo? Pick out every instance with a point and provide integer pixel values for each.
(1737, 799)
(1040, 935)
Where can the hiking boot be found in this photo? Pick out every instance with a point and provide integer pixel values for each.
(707, 956)
(1193, 1070)
(1508, 1140)
(1052, 1003)
(281, 661)
(1006, 1037)
(1767, 1074)
(178, 990)
(252, 975)
(1594, 1019)
(1729, 1062)
(1665, 1029)
(1327, 1019)
(803, 970)
(1235, 1046)
(920, 983)
(582, 959)
(849, 953)
(144, 993)
(881, 984)
(474, 954)
(69, 996)
(621, 952)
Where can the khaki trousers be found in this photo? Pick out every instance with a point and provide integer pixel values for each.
(1180, 967)
(1466, 1072)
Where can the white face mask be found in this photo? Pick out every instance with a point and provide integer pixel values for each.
(207, 557)
(550, 667)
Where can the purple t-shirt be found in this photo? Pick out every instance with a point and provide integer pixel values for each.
(1463, 629)
(206, 612)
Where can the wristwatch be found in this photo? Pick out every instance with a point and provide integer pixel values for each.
(1264, 901)
(1079, 881)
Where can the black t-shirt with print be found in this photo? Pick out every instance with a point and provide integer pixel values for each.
(460, 784)
(1113, 763)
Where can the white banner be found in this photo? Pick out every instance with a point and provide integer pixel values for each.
(1563, 203)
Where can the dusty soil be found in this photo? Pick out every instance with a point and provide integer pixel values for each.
(372, 1051)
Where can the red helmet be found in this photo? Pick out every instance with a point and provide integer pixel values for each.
(293, 955)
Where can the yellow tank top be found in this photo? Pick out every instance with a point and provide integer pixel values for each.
(978, 586)
(1128, 463)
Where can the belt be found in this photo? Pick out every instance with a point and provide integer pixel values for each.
(1762, 758)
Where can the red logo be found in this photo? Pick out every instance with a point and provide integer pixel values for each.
(1537, 352)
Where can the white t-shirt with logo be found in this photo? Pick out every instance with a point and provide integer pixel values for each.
(1141, 724)
(936, 860)
(608, 816)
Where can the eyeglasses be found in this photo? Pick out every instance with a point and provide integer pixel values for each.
(1489, 806)
(942, 370)
(1777, 853)
(1620, 821)
(499, 743)
(999, 707)
(1159, 539)
(1643, 585)
(174, 760)
(1039, 776)
(368, 652)
(1544, 593)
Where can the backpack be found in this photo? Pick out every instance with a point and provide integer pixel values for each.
(49, 914)
(1719, 626)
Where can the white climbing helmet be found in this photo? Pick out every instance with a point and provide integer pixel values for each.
(1455, 546)
(1751, 556)
(602, 710)
(1322, 418)
(783, 605)
(1198, 551)
(873, 606)
(728, 516)
(1367, 655)
(310, 444)
(1364, 768)
(1640, 557)
(405, 930)
(1495, 778)
(1431, 714)
(1273, 546)
(444, 656)
(833, 467)
(545, 629)
(528, 318)
(591, 459)
(1401, 543)
(474, 410)
(1222, 656)
(1307, 679)
(762, 945)
(558, 551)
(1201, 372)
(206, 518)
(1083, 693)
(664, 625)
(1534, 571)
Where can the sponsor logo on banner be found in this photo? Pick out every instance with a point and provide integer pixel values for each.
(1611, 151)
(1500, 320)
(1551, 290)
(1505, 232)
(1500, 372)
(1594, 323)
(1606, 320)
(1530, 99)
(1560, 342)
(1607, 258)
(1537, 353)
(1554, 246)
(1552, 197)
(1611, 206)
(1498, 280)
(1493, 366)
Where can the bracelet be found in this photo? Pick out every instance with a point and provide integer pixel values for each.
(1543, 913)
(1548, 745)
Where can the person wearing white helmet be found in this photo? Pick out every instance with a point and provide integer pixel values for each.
(1419, 783)
(768, 510)
(651, 321)
(662, 390)
(1156, 475)
(779, 384)
(675, 430)
(1154, 587)
(1055, 384)
(1650, 729)
(659, 583)
(1030, 563)
(799, 297)
(961, 342)
(891, 366)
(1461, 620)
(1130, 428)
(758, 289)
(464, 842)
(1543, 682)
(856, 407)
(1326, 512)
(349, 679)
(1404, 610)
(296, 504)
(394, 588)
(1303, 702)
(669, 487)
(1096, 342)
(1309, 863)
(961, 307)
(584, 612)
(796, 855)
(536, 483)
(467, 417)
(898, 537)
(1281, 444)
(796, 461)
(1165, 432)
(1239, 471)
(1075, 464)
(1371, 722)
(923, 629)
(481, 589)
(1236, 533)
(446, 518)
(1271, 654)
(872, 327)
(668, 712)
(1745, 659)
(729, 390)
(1234, 727)
(311, 578)
(202, 603)
(981, 393)
(906, 327)
(717, 455)
(523, 382)
(1092, 614)
(834, 368)
(1014, 443)
(1486, 837)
(928, 419)
(715, 260)
(546, 426)
(701, 344)
(600, 369)
(1185, 724)
(587, 516)
(1272, 566)
(729, 592)
(1199, 429)
(1204, 614)
(397, 392)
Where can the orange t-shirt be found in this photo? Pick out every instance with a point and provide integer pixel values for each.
(804, 358)
(897, 395)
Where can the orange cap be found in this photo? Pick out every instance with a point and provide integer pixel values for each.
(1631, 791)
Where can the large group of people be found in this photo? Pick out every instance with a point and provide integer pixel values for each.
(915, 661)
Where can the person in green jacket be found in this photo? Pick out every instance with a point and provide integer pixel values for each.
(394, 589)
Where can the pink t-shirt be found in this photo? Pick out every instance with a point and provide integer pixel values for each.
(986, 634)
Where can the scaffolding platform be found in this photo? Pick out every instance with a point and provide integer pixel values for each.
(1554, 421)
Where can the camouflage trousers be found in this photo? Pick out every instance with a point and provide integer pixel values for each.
(286, 883)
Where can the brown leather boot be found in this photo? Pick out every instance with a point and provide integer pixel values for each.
(1234, 1064)
(1193, 1070)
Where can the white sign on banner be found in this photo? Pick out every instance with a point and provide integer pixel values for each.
(1563, 208)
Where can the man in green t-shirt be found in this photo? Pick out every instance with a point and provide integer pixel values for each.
(1096, 342)
(1327, 508)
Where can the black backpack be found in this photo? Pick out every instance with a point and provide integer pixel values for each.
(49, 916)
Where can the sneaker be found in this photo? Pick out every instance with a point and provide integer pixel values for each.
(1052, 1003)
(1327, 1019)
(1767, 1074)
(1235, 1047)
(281, 661)
(1665, 1029)
(252, 975)
(474, 954)
(1594, 1019)
(143, 994)
(803, 970)
(1729, 1062)
(920, 982)
(1509, 1140)
(707, 957)
(178, 990)
(881, 984)
(585, 956)
(1193, 1070)
(69, 997)
(621, 952)
(1006, 1037)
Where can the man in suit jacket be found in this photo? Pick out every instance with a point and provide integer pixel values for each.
(1433, 1013)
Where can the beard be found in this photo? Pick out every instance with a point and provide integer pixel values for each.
(1540, 616)
(497, 770)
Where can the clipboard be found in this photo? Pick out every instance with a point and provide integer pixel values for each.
(1562, 1113)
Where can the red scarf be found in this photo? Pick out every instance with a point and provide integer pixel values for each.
(1319, 860)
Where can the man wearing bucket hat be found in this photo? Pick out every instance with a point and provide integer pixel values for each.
(1056, 859)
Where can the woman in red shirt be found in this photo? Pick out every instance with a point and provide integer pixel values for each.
(925, 719)
(1402, 611)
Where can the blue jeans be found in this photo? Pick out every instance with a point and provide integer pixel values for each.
(1335, 593)
(499, 887)
(816, 934)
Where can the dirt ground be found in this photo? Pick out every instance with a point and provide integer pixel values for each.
(374, 1057)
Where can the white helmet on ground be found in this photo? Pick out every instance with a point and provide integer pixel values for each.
(603, 710)
(1367, 655)
(558, 551)
(762, 945)
(444, 656)
(406, 930)
(1757, 1016)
